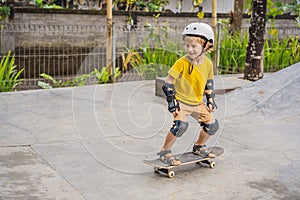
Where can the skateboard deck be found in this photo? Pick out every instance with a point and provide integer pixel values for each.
(185, 158)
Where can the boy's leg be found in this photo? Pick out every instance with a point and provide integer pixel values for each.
(179, 127)
(202, 139)
(169, 141)
(177, 130)
(205, 118)
(200, 144)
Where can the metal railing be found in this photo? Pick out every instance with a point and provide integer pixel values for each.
(65, 51)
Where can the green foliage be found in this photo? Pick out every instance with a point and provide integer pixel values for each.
(159, 53)
(141, 5)
(4, 12)
(272, 9)
(233, 53)
(278, 8)
(102, 76)
(152, 6)
(52, 6)
(157, 5)
(77, 81)
(9, 76)
(39, 3)
(151, 62)
(197, 2)
(156, 56)
(278, 54)
(98, 77)
(294, 8)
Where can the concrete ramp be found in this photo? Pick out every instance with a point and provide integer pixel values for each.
(261, 135)
(89, 143)
(276, 95)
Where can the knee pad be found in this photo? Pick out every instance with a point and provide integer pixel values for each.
(210, 129)
(179, 127)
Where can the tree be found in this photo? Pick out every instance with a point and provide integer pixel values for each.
(254, 56)
(237, 16)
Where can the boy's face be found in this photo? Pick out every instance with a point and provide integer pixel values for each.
(192, 47)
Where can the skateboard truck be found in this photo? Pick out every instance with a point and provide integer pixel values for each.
(170, 173)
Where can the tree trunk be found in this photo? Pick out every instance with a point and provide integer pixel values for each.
(237, 17)
(254, 57)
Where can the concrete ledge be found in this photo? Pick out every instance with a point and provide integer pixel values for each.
(223, 84)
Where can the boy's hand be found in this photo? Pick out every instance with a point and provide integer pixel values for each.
(210, 107)
(211, 104)
(210, 95)
(176, 112)
(174, 107)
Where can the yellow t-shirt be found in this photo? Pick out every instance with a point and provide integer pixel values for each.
(190, 80)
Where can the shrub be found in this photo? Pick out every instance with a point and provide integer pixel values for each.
(9, 76)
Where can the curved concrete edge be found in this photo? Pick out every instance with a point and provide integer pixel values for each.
(255, 94)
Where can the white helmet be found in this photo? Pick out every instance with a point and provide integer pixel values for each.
(200, 29)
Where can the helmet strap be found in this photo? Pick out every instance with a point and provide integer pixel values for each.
(198, 57)
(203, 48)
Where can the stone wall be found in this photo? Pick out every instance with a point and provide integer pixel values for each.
(92, 25)
(75, 20)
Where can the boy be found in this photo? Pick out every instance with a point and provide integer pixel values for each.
(188, 79)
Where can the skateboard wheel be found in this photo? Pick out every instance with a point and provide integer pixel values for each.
(156, 169)
(212, 164)
(171, 174)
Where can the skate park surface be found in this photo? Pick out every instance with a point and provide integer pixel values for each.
(89, 142)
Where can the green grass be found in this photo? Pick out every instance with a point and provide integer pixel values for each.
(278, 54)
(9, 75)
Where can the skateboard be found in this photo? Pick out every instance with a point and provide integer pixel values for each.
(185, 158)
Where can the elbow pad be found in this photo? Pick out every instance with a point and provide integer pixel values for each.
(170, 92)
(209, 84)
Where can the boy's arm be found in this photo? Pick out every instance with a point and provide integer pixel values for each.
(210, 95)
(169, 90)
(170, 79)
